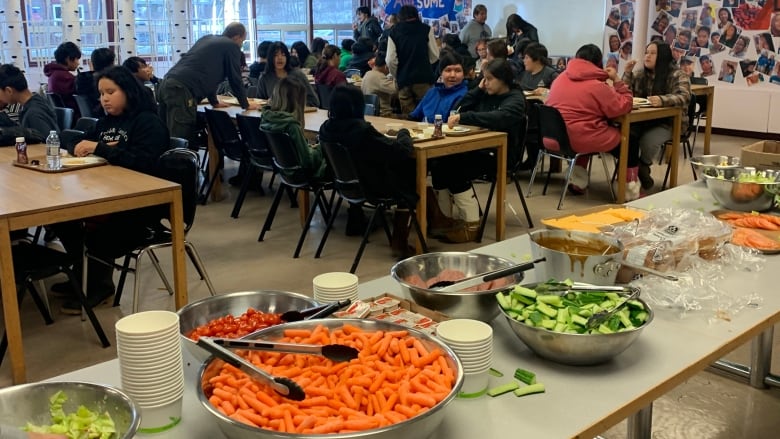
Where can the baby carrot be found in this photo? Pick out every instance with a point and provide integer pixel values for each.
(330, 427)
(302, 333)
(241, 418)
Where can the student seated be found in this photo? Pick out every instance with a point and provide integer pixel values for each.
(85, 81)
(61, 81)
(36, 117)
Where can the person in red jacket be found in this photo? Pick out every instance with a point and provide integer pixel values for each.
(588, 102)
(327, 71)
(62, 82)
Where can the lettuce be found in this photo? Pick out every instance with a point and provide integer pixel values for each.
(82, 424)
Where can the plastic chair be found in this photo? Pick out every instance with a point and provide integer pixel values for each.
(347, 184)
(180, 166)
(178, 142)
(55, 99)
(86, 124)
(293, 175)
(685, 140)
(323, 93)
(372, 101)
(258, 156)
(64, 117)
(227, 142)
(555, 143)
(33, 263)
(84, 108)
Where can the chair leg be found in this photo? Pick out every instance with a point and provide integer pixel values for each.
(86, 307)
(603, 157)
(328, 227)
(566, 183)
(307, 226)
(198, 263)
(386, 226)
(44, 310)
(483, 222)
(418, 230)
(156, 263)
(293, 196)
(120, 286)
(539, 161)
(522, 201)
(242, 193)
(378, 211)
(269, 219)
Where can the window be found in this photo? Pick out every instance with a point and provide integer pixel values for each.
(289, 21)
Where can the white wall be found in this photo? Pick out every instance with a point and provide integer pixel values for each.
(564, 25)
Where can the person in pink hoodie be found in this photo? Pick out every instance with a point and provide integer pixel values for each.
(589, 96)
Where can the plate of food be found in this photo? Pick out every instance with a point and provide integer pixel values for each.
(81, 161)
(639, 102)
(455, 129)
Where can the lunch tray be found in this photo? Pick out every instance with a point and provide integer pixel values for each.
(41, 167)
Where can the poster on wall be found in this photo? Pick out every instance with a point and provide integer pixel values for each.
(618, 33)
(729, 42)
(444, 16)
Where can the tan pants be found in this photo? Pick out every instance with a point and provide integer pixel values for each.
(410, 96)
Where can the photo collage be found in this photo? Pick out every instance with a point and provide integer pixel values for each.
(734, 42)
(449, 19)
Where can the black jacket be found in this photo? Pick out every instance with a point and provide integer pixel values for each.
(369, 29)
(411, 45)
(384, 165)
(38, 116)
(498, 113)
(86, 86)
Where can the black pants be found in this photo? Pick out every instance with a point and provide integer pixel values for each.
(455, 172)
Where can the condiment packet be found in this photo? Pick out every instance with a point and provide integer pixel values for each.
(357, 310)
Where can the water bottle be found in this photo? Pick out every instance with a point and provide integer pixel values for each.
(21, 151)
(438, 121)
(53, 150)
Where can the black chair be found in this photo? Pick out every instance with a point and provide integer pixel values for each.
(251, 91)
(55, 99)
(555, 143)
(64, 117)
(685, 140)
(178, 142)
(294, 176)
(69, 139)
(258, 157)
(84, 107)
(372, 103)
(33, 263)
(85, 124)
(227, 142)
(347, 184)
(323, 93)
(179, 165)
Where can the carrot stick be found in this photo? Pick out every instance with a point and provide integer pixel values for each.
(302, 333)
(241, 418)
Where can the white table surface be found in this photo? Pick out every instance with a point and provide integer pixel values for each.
(580, 401)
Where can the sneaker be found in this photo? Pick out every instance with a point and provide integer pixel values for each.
(645, 177)
(578, 181)
(632, 190)
(73, 306)
(463, 232)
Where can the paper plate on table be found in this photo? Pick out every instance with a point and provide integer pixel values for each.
(641, 101)
(455, 129)
(81, 161)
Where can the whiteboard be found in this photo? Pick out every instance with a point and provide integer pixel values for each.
(564, 25)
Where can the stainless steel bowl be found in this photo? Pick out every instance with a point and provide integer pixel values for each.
(203, 311)
(713, 161)
(479, 305)
(418, 427)
(30, 403)
(746, 197)
(576, 349)
(592, 258)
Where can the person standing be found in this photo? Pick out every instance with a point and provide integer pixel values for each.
(61, 81)
(476, 30)
(411, 51)
(367, 26)
(197, 75)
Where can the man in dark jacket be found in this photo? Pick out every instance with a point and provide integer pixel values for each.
(197, 75)
(411, 50)
(36, 117)
(367, 26)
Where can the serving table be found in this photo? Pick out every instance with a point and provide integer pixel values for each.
(669, 351)
(33, 198)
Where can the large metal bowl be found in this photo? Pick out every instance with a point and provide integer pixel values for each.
(203, 311)
(479, 305)
(419, 427)
(713, 161)
(746, 197)
(576, 349)
(30, 403)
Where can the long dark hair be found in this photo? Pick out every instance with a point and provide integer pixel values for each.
(327, 54)
(346, 102)
(277, 47)
(301, 51)
(137, 98)
(592, 53)
(664, 66)
(502, 70)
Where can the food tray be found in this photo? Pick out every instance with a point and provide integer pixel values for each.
(41, 167)
(595, 226)
(772, 234)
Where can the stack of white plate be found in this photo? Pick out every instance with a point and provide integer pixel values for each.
(148, 346)
(472, 341)
(335, 286)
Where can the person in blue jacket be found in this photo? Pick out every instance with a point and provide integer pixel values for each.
(443, 96)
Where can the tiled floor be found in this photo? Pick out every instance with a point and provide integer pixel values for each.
(707, 406)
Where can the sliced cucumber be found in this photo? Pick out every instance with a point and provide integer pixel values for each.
(504, 388)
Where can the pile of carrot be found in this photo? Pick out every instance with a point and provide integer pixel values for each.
(393, 379)
(753, 239)
(746, 226)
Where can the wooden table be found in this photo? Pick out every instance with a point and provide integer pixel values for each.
(709, 92)
(641, 115)
(31, 198)
(427, 150)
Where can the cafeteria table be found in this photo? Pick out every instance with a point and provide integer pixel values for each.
(32, 198)
(580, 402)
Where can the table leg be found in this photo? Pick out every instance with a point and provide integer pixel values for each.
(177, 238)
(422, 184)
(303, 206)
(761, 357)
(216, 190)
(675, 159)
(640, 424)
(13, 326)
(708, 125)
(500, 191)
(625, 129)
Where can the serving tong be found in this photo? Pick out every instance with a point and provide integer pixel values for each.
(333, 352)
(602, 316)
(448, 286)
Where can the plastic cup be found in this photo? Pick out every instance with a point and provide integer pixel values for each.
(147, 323)
(465, 331)
(474, 384)
(161, 418)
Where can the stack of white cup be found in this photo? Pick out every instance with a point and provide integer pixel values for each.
(335, 286)
(472, 341)
(150, 364)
